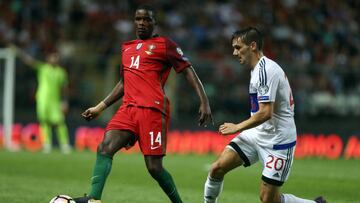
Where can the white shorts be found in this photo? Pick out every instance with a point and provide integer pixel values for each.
(276, 161)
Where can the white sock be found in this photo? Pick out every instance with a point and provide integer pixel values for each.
(289, 198)
(212, 190)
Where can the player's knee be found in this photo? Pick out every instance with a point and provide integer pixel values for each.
(100, 148)
(265, 198)
(104, 149)
(217, 170)
(154, 170)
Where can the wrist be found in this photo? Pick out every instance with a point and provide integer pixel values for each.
(238, 128)
(102, 106)
(204, 101)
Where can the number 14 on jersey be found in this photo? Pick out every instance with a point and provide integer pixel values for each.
(135, 62)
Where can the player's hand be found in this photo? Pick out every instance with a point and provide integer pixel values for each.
(205, 115)
(65, 107)
(90, 113)
(93, 112)
(13, 47)
(228, 128)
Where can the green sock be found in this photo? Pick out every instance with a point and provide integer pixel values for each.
(62, 134)
(46, 134)
(167, 184)
(101, 171)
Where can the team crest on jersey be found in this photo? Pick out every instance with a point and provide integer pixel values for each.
(138, 46)
(150, 48)
(263, 89)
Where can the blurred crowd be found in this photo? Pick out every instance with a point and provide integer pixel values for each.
(317, 42)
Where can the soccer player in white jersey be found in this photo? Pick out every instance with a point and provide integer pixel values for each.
(269, 135)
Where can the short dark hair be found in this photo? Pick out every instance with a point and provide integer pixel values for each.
(148, 8)
(248, 35)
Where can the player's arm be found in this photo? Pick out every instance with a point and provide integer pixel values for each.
(194, 81)
(263, 114)
(116, 93)
(25, 57)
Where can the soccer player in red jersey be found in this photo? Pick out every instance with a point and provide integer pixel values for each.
(144, 114)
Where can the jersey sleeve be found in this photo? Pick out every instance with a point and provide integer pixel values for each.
(176, 57)
(268, 85)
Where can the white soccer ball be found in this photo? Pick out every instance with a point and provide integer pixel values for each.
(62, 199)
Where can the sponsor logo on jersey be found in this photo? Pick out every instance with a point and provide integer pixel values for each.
(150, 48)
(138, 46)
(152, 148)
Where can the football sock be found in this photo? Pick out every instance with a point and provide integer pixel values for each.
(46, 135)
(62, 134)
(101, 171)
(289, 198)
(212, 190)
(63, 137)
(168, 186)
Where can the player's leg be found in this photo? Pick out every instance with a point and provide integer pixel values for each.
(45, 127)
(162, 176)
(153, 130)
(227, 161)
(120, 132)
(112, 142)
(277, 167)
(240, 151)
(62, 132)
(271, 194)
(63, 137)
(46, 135)
(57, 117)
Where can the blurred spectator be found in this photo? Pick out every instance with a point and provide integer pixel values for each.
(317, 43)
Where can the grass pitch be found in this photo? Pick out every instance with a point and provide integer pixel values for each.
(35, 178)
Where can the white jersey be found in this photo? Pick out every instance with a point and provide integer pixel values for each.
(269, 83)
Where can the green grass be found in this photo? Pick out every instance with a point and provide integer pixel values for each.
(35, 178)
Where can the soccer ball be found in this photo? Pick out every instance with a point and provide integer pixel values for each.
(62, 199)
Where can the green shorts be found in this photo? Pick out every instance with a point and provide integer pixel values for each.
(49, 112)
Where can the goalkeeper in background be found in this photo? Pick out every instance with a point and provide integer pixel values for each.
(51, 101)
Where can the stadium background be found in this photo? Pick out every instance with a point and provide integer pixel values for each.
(316, 42)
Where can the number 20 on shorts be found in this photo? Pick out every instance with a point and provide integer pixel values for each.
(274, 162)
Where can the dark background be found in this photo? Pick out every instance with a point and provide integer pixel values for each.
(316, 43)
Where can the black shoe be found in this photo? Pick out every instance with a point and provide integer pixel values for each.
(83, 199)
(320, 200)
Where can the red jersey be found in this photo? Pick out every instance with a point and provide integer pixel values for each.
(146, 66)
